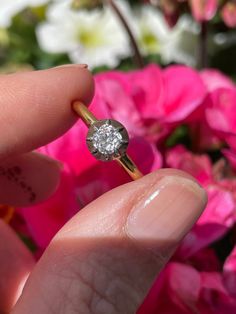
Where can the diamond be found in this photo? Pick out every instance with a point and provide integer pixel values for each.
(107, 139)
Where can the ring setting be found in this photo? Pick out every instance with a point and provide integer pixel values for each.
(107, 140)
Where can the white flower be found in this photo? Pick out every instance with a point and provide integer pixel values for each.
(151, 30)
(177, 44)
(9, 8)
(181, 46)
(94, 37)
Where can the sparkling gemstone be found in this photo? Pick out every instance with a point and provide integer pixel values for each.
(107, 139)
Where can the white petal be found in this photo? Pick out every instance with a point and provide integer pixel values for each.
(182, 44)
(54, 38)
(95, 37)
(9, 8)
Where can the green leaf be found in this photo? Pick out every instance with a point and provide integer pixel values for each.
(179, 136)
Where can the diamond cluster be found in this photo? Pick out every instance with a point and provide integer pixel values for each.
(107, 139)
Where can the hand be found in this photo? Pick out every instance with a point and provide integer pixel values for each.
(105, 259)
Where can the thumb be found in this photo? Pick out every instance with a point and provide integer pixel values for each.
(105, 259)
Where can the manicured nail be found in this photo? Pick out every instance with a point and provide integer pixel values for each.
(82, 65)
(167, 211)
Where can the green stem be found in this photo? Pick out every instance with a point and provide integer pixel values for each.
(137, 55)
(203, 43)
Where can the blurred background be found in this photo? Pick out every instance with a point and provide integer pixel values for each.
(40, 34)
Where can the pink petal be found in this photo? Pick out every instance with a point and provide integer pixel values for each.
(147, 90)
(214, 79)
(133, 98)
(184, 283)
(216, 220)
(176, 291)
(229, 273)
(220, 208)
(71, 149)
(112, 100)
(229, 14)
(214, 297)
(199, 166)
(184, 93)
(220, 112)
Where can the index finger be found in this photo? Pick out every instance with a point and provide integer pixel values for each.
(36, 106)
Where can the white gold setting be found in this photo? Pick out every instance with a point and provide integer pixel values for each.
(107, 139)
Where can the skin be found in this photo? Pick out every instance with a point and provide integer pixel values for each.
(105, 259)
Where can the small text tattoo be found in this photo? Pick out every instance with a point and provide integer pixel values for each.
(14, 174)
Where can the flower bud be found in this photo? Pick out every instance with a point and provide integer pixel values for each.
(203, 10)
(229, 14)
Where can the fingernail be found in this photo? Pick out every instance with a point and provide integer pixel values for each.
(82, 65)
(167, 211)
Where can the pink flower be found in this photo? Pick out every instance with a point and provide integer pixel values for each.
(229, 14)
(220, 105)
(203, 10)
(149, 102)
(216, 220)
(184, 94)
(214, 79)
(220, 113)
(229, 273)
(175, 291)
(219, 214)
(181, 289)
(214, 298)
(130, 98)
(199, 166)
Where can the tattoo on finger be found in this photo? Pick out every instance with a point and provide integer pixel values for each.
(14, 174)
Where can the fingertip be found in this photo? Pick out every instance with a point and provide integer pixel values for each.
(40, 101)
(77, 71)
(166, 211)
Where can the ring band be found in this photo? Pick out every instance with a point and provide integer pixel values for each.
(107, 140)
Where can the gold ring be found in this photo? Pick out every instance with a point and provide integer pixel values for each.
(107, 140)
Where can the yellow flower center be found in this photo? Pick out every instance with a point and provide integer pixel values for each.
(149, 41)
(89, 38)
